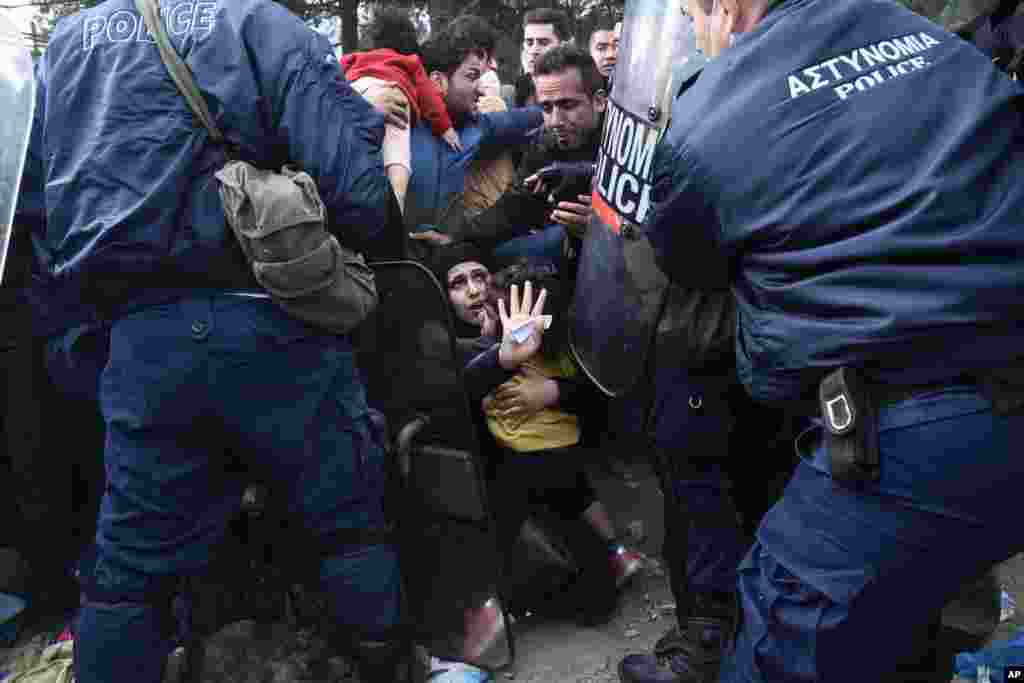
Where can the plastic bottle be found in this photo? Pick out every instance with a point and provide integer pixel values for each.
(456, 672)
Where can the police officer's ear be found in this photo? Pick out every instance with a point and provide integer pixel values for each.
(600, 101)
(439, 79)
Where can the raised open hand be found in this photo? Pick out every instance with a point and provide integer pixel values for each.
(522, 325)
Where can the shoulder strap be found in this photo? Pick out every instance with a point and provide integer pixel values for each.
(176, 67)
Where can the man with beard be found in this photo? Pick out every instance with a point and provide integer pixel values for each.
(570, 91)
(455, 60)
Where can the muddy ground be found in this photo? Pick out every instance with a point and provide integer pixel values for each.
(546, 651)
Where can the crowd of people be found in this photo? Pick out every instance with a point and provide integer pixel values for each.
(855, 237)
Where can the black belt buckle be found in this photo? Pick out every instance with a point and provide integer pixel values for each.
(850, 415)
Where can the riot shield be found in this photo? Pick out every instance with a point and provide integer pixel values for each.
(620, 290)
(448, 542)
(17, 102)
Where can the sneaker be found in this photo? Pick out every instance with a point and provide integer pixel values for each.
(442, 671)
(625, 564)
(485, 626)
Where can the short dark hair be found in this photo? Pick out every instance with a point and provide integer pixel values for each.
(604, 23)
(566, 57)
(464, 36)
(392, 28)
(550, 15)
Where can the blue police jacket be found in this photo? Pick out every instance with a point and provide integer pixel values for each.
(119, 185)
(439, 172)
(856, 175)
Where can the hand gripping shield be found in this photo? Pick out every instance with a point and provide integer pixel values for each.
(620, 289)
(17, 101)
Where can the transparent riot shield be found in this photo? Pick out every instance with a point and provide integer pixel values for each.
(17, 101)
(448, 542)
(620, 290)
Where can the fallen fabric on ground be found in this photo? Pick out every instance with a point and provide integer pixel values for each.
(53, 665)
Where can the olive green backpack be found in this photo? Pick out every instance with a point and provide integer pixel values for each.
(280, 221)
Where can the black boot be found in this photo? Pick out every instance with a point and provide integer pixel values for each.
(690, 653)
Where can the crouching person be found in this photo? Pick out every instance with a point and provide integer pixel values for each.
(201, 361)
(538, 409)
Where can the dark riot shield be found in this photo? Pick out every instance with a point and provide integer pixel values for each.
(620, 290)
(448, 544)
(17, 101)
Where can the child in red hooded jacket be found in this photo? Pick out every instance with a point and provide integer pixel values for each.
(394, 60)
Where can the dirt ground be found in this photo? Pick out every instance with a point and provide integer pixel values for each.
(546, 651)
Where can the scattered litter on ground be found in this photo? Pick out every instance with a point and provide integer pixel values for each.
(989, 663)
(1007, 607)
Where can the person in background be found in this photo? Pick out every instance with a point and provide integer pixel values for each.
(604, 47)
(544, 29)
(541, 412)
(456, 59)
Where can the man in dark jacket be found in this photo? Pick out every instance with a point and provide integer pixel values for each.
(866, 220)
(570, 93)
(455, 60)
(133, 239)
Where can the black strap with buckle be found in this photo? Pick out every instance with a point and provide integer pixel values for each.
(850, 414)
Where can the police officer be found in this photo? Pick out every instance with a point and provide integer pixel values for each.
(200, 360)
(857, 176)
(692, 428)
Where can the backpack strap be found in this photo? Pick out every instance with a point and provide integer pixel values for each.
(176, 67)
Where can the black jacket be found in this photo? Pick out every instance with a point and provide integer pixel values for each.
(518, 211)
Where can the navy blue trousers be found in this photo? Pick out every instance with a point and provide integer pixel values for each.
(691, 425)
(841, 579)
(184, 383)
